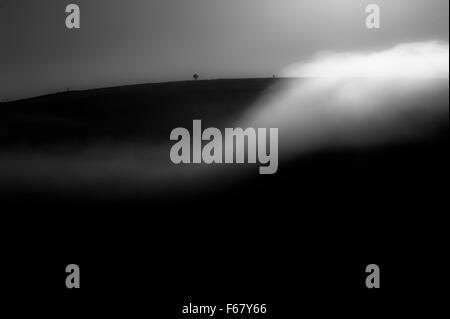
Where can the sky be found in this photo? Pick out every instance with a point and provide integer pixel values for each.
(143, 41)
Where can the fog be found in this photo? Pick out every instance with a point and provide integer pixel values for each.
(349, 99)
(358, 98)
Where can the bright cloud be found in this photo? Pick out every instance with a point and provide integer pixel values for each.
(409, 60)
(358, 98)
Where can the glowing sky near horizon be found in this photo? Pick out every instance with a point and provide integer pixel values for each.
(135, 41)
(355, 98)
(406, 60)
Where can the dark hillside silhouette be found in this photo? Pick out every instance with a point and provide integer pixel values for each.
(121, 114)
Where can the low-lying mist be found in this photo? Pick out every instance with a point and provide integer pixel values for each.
(342, 100)
(359, 99)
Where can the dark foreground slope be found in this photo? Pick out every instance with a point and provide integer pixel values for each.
(298, 240)
(113, 139)
(116, 141)
(123, 114)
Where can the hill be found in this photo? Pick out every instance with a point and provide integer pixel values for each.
(104, 142)
(120, 114)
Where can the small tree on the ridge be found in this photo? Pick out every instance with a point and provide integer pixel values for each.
(196, 76)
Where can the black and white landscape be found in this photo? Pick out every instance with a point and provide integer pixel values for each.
(86, 174)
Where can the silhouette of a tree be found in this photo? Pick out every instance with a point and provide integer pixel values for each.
(196, 76)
